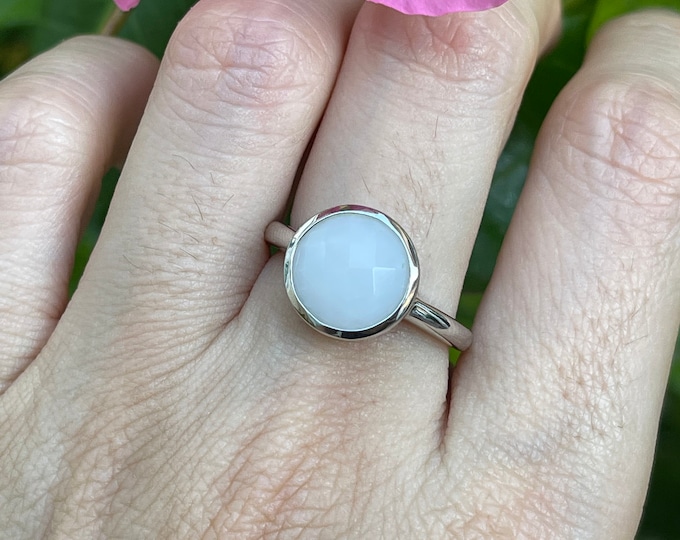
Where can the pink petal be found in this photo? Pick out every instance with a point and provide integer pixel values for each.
(126, 5)
(438, 7)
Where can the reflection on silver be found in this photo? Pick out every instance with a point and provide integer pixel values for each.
(440, 324)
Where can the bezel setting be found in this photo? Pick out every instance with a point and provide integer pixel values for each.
(404, 307)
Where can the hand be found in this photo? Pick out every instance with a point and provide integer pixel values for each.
(177, 395)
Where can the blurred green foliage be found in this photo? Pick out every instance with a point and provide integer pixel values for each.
(28, 27)
(606, 10)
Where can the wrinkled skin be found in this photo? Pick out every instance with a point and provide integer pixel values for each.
(177, 395)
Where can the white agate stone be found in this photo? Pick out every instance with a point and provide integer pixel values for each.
(351, 271)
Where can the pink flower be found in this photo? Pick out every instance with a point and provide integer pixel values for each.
(438, 7)
(126, 5)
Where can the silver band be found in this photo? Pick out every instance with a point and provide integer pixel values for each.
(421, 314)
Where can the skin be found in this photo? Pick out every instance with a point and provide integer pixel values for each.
(176, 395)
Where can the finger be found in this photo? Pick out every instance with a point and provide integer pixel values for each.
(239, 94)
(559, 399)
(64, 118)
(414, 127)
(417, 121)
(390, 393)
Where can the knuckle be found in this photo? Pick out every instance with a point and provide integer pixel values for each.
(37, 127)
(483, 55)
(623, 143)
(46, 107)
(256, 57)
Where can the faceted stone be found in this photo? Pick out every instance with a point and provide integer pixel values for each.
(351, 271)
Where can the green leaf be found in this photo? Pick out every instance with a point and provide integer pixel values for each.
(19, 12)
(94, 227)
(62, 19)
(674, 381)
(467, 309)
(661, 518)
(14, 48)
(606, 10)
(151, 23)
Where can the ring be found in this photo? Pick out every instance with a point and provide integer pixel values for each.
(352, 272)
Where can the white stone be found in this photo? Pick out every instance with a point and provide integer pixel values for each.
(351, 271)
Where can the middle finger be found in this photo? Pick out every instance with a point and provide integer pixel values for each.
(240, 90)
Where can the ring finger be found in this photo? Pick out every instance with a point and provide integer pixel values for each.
(417, 120)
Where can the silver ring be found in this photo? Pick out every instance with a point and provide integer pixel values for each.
(352, 272)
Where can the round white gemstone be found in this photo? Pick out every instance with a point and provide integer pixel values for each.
(351, 271)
